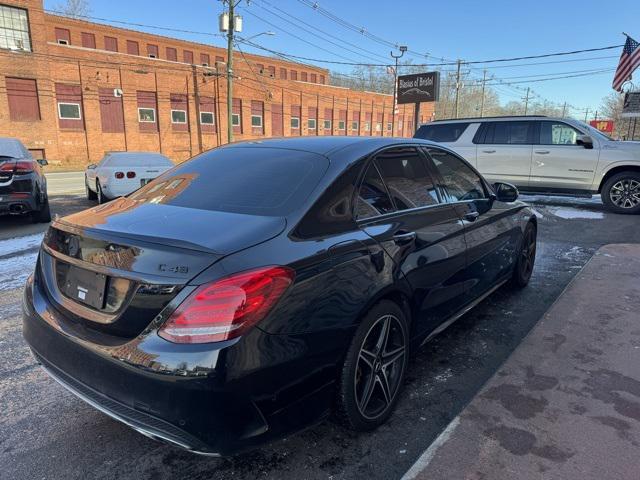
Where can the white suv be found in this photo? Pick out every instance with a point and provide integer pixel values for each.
(543, 155)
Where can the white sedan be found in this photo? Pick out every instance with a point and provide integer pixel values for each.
(120, 173)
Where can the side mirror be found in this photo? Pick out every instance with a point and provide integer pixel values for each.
(91, 166)
(42, 162)
(585, 140)
(505, 192)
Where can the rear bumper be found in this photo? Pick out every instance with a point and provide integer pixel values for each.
(17, 203)
(207, 400)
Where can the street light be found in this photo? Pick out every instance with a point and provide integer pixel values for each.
(402, 49)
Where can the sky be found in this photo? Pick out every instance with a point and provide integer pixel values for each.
(465, 29)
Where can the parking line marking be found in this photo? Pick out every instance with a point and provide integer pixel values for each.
(423, 462)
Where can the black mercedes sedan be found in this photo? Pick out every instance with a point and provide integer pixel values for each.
(249, 292)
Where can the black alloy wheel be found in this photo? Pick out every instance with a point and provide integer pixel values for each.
(526, 258)
(374, 368)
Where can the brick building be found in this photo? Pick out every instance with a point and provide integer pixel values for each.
(72, 90)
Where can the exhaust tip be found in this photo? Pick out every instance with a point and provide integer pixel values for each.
(16, 208)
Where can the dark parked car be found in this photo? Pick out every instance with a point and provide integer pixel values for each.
(23, 186)
(239, 296)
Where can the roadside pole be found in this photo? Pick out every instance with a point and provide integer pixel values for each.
(484, 80)
(455, 113)
(526, 101)
(395, 89)
(416, 116)
(230, 29)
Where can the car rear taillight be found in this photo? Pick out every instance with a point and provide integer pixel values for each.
(227, 308)
(131, 174)
(25, 166)
(119, 175)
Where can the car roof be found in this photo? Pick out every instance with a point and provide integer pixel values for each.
(328, 145)
(12, 147)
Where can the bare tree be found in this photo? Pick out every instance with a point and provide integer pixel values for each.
(75, 8)
(611, 108)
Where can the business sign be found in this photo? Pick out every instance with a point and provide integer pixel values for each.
(605, 126)
(631, 107)
(419, 87)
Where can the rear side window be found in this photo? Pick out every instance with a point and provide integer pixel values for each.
(506, 133)
(460, 181)
(441, 132)
(247, 180)
(373, 199)
(406, 177)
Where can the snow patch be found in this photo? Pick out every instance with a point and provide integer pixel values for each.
(15, 270)
(573, 213)
(19, 244)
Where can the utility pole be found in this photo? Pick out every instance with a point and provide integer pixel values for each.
(586, 114)
(231, 27)
(484, 80)
(395, 89)
(526, 100)
(564, 110)
(459, 62)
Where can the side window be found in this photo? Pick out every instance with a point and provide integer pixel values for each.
(557, 133)
(406, 177)
(373, 199)
(460, 181)
(441, 132)
(507, 133)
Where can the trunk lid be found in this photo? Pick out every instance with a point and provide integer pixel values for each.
(113, 268)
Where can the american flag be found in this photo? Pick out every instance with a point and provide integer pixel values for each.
(629, 61)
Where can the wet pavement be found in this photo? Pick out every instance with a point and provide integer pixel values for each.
(45, 432)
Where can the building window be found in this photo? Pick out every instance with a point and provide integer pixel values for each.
(14, 28)
(314, 78)
(111, 44)
(172, 54)
(188, 56)
(341, 125)
(389, 126)
(219, 59)
(205, 60)
(322, 79)
(133, 48)
(303, 76)
(179, 116)
(295, 123)
(69, 103)
(327, 124)
(367, 126)
(272, 71)
(88, 40)
(152, 51)
(378, 127)
(207, 118)
(147, 115)
(22, 94)
(256, 120)
(311, 123)
(354, 126)
(294, 75)
(63, 36)
(69, 111)
(236, 115)
(283, 74)
(235, 119)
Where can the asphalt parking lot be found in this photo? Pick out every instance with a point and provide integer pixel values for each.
(45, 432)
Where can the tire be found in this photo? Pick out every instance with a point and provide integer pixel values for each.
(526, 257)
(374, 367)
(43, 215)
(621, 193)
(91, 195)
(99, 195)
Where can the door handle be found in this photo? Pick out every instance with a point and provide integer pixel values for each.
(471, 216)
(402, 237)
(542, 152)
(488, 151)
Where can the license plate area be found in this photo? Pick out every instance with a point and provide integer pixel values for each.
(84, 286)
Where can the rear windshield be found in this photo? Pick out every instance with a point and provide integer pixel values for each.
(137, 160)
(442, 132)
(249, 180)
